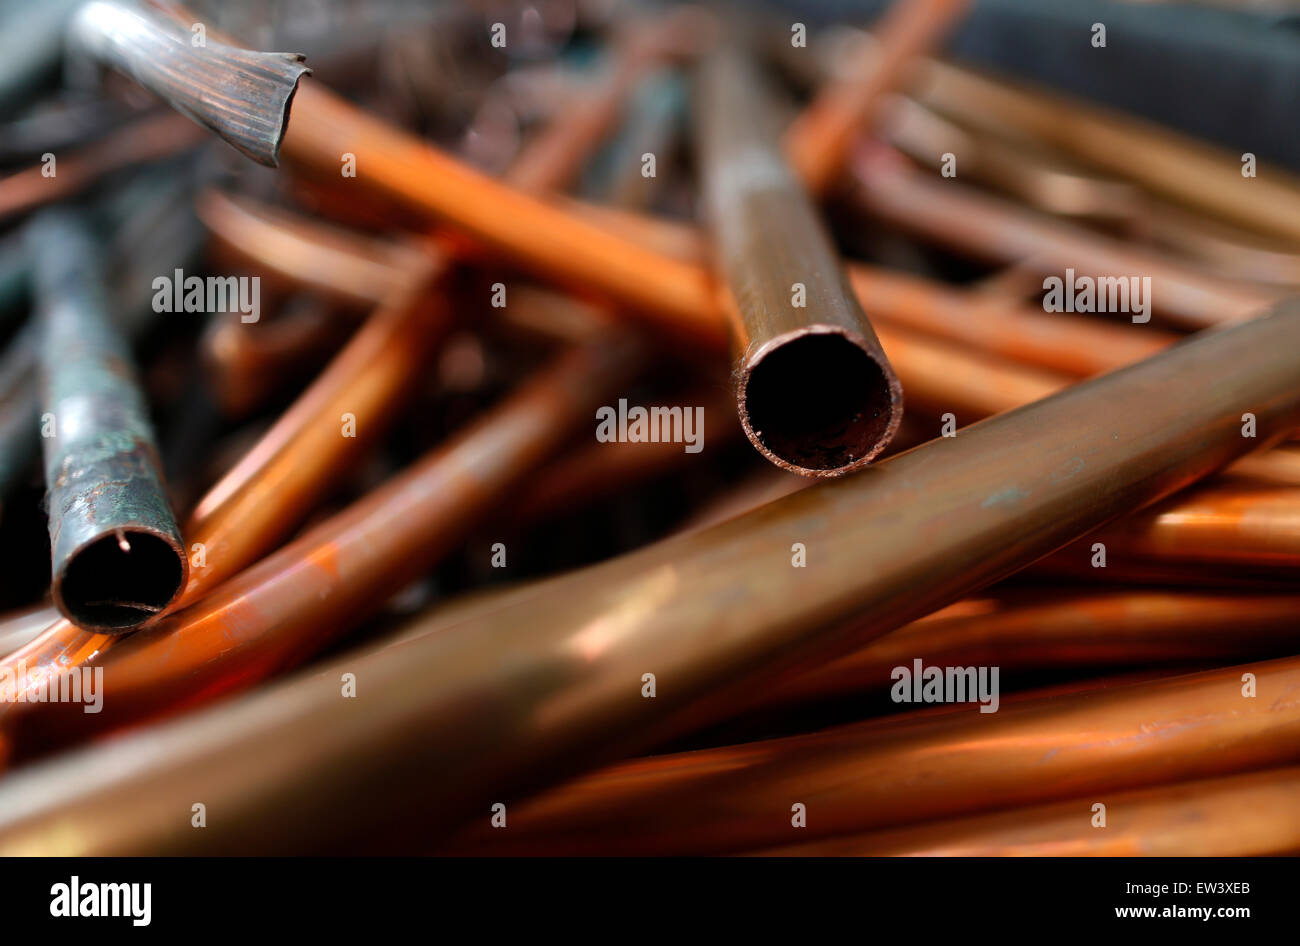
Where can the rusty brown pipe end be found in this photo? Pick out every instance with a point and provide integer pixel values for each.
(819, 401)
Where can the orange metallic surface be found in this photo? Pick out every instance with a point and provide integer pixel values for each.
(1238, 816)
(819, 141)
(900, 771)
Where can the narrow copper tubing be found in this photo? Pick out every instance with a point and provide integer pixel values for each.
(819, 141)
(715, 614)
(1247, 815)
(901, 771)
(815, 392)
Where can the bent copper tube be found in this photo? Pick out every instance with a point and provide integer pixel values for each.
(348, 266)
(297, 599)
(240, 95)
(953, 215)
(815, 393)
(819, 141)
(1237, 816)
(714, 614)
(896, 771)
(118, 559)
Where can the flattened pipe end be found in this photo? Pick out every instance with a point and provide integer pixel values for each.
(819, 401)
(242, 95)
(117, 581)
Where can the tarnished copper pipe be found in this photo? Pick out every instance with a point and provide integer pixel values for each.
(118, 559)
(903, 771)
(240, 95)
(1238, 816)
(815, 392)
(819, 141)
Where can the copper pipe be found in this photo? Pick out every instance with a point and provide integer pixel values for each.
(297, 599)
(240, 95)
(1089, 631)
(819, 141)
(904, 771)
(1236, 524)
(997, 497)
(949, 213)
(1188, 171)
(815, 392)
(148, 139)
(118, 559)
(677, 296)
(1238, 816)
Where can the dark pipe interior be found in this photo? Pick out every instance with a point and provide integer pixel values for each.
(818, 402)
(106, 587)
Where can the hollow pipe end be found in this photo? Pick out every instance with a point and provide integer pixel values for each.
(121, 580)
(820, 401)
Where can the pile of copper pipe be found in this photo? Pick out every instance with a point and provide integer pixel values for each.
(388, 482)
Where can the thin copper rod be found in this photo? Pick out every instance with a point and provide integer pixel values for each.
(1237, 816)
(819, 142)
(907, 770)
(815, 392)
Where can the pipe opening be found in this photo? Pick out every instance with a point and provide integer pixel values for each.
(121, 580)
(818, 402)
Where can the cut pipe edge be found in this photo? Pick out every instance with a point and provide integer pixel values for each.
(819, 401)
(121, 578)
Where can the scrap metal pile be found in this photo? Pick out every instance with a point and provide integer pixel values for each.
(574, 427)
